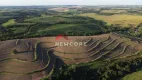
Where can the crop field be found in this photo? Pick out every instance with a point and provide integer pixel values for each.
(124, 20)
(34, 58)
(114, 11)
(60, 9)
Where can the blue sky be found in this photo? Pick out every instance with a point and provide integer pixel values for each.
(70, 2)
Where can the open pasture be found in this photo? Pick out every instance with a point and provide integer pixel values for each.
(123, 20)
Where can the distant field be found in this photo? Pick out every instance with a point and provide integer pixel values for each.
(113, 11)
(124, 20)
(60, 9)
(134, 76)
(46, 19)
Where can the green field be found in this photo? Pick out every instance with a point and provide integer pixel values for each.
(45, 19)
(133, 76)
(9, 22)
(65, 28)
(124, 20)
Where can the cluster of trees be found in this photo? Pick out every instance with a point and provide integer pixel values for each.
(109, 70)
(97, 26)
(94, 26)
(133, 31)
(10, 35)
(20, 15)
(135, 12)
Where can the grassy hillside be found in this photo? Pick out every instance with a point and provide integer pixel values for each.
(55, 25)
(45, 19)
(68, 29)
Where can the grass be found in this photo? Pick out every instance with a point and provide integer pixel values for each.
(35, 53)
(133, 76)
(9, 22)
(55, 19)
(17, 41)
(18, 29)
(124, 20)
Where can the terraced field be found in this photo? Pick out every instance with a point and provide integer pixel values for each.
(35, 58)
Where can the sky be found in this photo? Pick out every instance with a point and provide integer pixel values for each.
(69, 2)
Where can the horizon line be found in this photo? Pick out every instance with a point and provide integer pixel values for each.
(79, 5)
